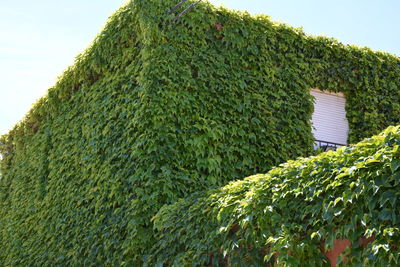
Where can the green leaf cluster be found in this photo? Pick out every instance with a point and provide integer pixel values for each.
(293, 213)
(153, 111)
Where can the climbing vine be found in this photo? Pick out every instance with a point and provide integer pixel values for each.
(155, 110)
(292, 214)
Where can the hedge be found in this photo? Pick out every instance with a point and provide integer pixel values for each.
(292, 213)
(155, 110)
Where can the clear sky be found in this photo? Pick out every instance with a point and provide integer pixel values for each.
(39, 39)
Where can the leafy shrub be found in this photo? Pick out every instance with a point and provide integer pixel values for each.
(350, 193)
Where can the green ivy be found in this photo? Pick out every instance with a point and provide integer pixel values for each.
(295, 211)
(155, 110)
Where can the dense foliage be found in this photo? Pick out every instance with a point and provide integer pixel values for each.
(154, 110)
(351, 193)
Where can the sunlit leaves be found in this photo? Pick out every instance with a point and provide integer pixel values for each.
(289, 212)
(153, 111)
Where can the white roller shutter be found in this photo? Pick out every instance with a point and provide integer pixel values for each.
(329, 117)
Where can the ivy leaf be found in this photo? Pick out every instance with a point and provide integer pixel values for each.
(385, 215)
(388, 196)
(395, 164)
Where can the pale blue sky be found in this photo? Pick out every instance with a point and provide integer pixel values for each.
(39, 39)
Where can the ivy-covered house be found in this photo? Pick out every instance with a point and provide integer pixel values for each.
(158, 108)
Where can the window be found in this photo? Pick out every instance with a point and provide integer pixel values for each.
(330, 125)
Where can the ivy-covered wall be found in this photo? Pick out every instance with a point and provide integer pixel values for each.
(154, 110)
(293, 214)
